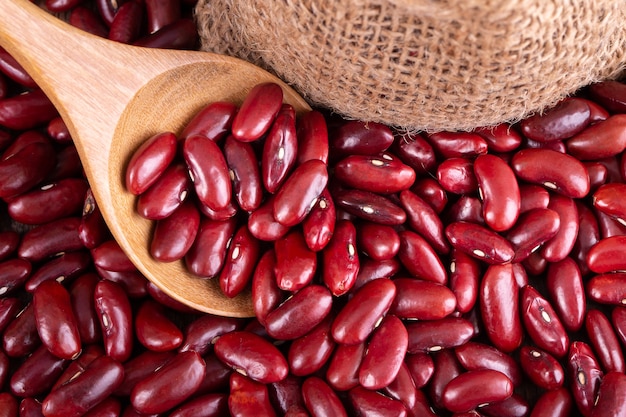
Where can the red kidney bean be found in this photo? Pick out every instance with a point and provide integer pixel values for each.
(320, 399)
(57, 130)
(67, 165)
(9, 308)
(542, 323)
(479, 242)
(161, 13)
(610, 94)
(252, 356)
(535, 264)
(49, 202)
(13, 274)
(30, 407)
(499, 307)
(241, 258)
(607, 200)
(13, 70)
(134, 283)
(300, 191)
(280, 149)
(206, 256)
(319, 224)
(604, 341)
(296, 264)
(257, 112)
(61, 5)
(157, 394)
(111, 257)
(140, 367)
(618, 320)
(312, 134)
(92, 230)
(465, 209)
(598, 174)
(598, 113)
(27, 110)
(607, 256)
(562, 121)
(416, 152)
(300, 313)
(37, 373)
(534, 228)
(424, 220)
(456, 175)
(166, 194)
(26, 168)
(464, 277)
(585, 376)
(378, 242)
(200, 334)
(499, 190)
(248, 397)
(209, 405)
(342, 373)
(608, 226)
(457, 144)
(212, 121)
(78, 366)
(561, 244)
(609, 288)
(500, 138)
(369, 206)
(10, 241)
(83, 304)
(384, 355)
(208, 170)
(420, 259)
(541, 368)
(588, 235)
(447, 367)
(567, 292)
(422, 300)
(20, 337)
(514, 406)
(611, 399)
(361, 314)
(533, 196)
(3, 93)
(8, 405)
(554, 145)
(474, 355)
(382, 174)
(182, 34)
(88, 20)
(556, 403)
(56, 323)
(556, 171)
(109, 407)
(115, 316)
(434, 335)
(124, 23)
(355, 137)
(403, 389)
(307, 354)
(149, 161)
(173, 236)
(371, 270)
(63, 268)
(431, 192)
(84, 392)
(603, 139)
(266, 295)
(286, 396)
(473, 388)
(262, 224)
(244, 173)
(340, 260)
(154, 329)
(369, 403)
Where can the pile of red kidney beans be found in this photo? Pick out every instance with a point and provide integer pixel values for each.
(393, 274)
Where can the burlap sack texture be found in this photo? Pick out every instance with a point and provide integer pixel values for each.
(425, 65)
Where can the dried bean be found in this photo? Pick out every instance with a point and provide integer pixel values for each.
(499, 190)
(611, 401)
(340, 260)
(370, 403)
(241, 258)
(115, 316)
(479, 242)
(149, 161)
(473, 388)
(562, 121)
(213, 121)
(435, 335)
(541, 368)
(422, 300)
(248, 397)
(458, 144)
(320, 399)
(257, 112)
(280, 149)
(308, 354)
(355, 137)
(604, 341)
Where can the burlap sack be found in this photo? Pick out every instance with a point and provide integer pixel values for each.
(425, 64)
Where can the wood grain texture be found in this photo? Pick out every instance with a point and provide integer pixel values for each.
(113, 97)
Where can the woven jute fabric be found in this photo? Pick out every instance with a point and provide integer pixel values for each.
(425, 65)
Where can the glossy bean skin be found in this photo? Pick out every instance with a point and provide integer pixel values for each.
(370, 206)
(607, 256)
(286, 396)
(609, 94)
(604, 341)
(371, 270)
(618, 320)
(161, 13)
(422, 300)
(110, 256)
(173, 236)
(500, 192)
(209, 405)
(500, 138)
(50, 239)
(241, 259)
(124, 25)
(257, 112)
(554, 170)
(604, 139)
(458, 144)
(431, 192)
(57, 325)
(140, 367)
(134, 283)
(10, 242)
(542, 323)
(359, 316)
(166, 194)
(207, 254)
(248, 398)
(149, 161)
(456, 175)
(585, 376)
(26, 111)
(13, 274)
(181, 34)
(465, 274)
(263, 225)
(416, 152)
(342, 373)
(26, 167)
(209, 171)
(30, 407)
(479, 242)
(608, 288)
(588, 235)
(309, 353)
(367, 402)
(312, 134)
(611, 400)
(556, 403)
(500, 307)
(608, 226)
(466, 209)
(378, 242)
(280, 149)
(245, 174)
(533, 196)
(65, 267)
(434, 335)
(607, 199)
(598, 175)
(320, 400)
(213, 121)
(541, 368)
(200, 334)
(424, 220)
(37, 373)
(115, 316)
(447, 367)
(563, 121)
(467, 391)
(299, 314)
(9, 308)
(355, 137)
(20, 337)
(319, 224)
(8, 405)
(475, 355)
(514, 406)
(562, 243)
(266, 295)
(154, 329)
(294, 199)
(92, 230)
(156, 394)
(420, 259)
(403, 389)
(79, 395)
(296, 264)
(383, 174)
(533, 229)
(14, 71)
(566, 290)
(340, 260)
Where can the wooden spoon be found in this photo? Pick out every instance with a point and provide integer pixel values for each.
(113, 97)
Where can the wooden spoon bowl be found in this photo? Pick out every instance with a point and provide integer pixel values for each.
(112, 98)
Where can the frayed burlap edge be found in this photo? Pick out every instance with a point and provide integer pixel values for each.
(424, 65)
